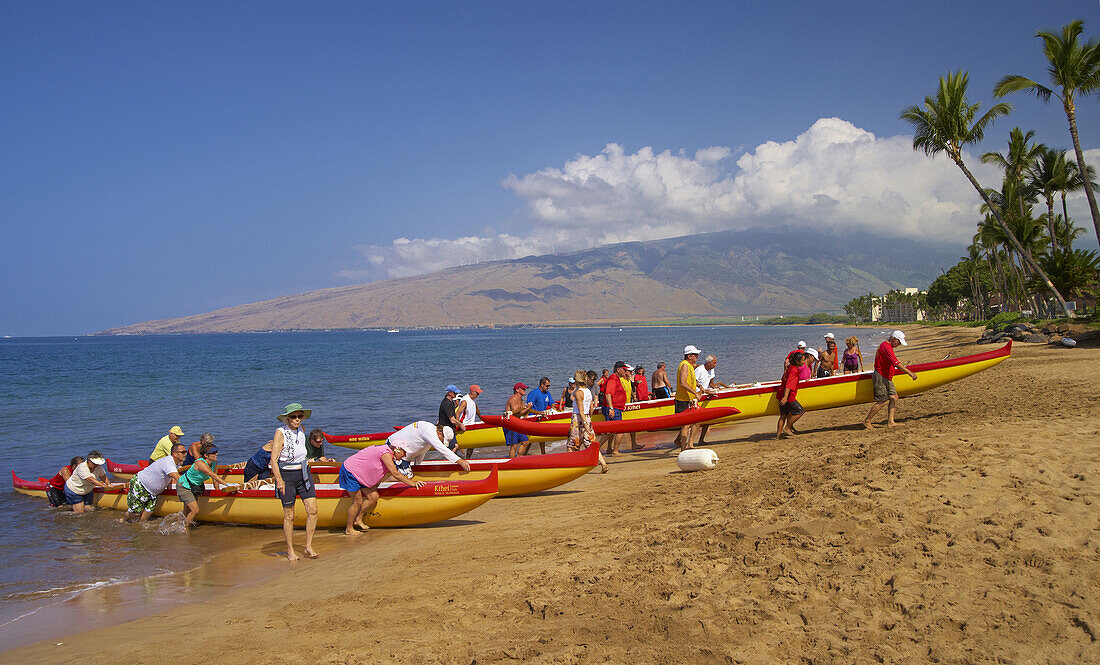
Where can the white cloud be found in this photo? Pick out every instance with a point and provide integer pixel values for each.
(834, 176)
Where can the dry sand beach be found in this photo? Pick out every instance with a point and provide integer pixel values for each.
(969, 535)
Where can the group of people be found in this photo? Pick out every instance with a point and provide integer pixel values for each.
(285, 458)
(800, 365)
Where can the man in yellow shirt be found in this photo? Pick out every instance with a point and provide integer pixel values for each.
(164, 446)
(687, 397)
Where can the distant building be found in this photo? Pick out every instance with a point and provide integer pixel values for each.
(905, 310)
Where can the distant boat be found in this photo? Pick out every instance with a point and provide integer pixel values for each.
(393, 330)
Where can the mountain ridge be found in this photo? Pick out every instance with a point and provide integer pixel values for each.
(726, 273)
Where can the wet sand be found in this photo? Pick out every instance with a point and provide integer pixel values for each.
(968, 535)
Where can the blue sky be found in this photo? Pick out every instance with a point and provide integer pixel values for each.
(165, 159)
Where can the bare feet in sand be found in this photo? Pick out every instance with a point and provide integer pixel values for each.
(291, 556)
(867, 425)
(310, 554)
(362, 526)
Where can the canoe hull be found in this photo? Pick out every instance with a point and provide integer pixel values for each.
(397, 506)
(517, 476)
(652, 424)
(756, 401)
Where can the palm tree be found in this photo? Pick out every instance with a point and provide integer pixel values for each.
(1049, 174)
(1076, 183)
(1075, 271)
(1066, 232)
(947, 123)
(1073, 68)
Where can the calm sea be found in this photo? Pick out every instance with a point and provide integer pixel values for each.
(63, 396)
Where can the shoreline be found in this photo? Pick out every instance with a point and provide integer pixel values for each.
(837, 542)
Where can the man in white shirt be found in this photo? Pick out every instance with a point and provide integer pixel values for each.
(468, 413)
(150, 482)
(420, 437)
(705, 383)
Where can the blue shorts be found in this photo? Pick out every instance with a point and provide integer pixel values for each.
(73, 499)
(251, 470)
(611, 414)
(347, 481)
(514, 438)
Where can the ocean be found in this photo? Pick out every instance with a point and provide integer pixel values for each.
(64, 396)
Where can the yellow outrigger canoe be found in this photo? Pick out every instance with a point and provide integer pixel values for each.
(398, 505)
(750, 401)
(516, 476)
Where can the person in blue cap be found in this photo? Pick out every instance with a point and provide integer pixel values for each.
(447, 417)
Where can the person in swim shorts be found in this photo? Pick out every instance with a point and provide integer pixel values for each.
(55, 488)
(517, 406)
(360, 476)
(661, 387)
(87, 476)
(290, 469)
(789, 408)
(886, 366)
(146, 485)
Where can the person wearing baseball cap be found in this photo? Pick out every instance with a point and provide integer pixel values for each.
(886, 366)
(617, 393)
(687, 396)
(164, 446)
(82, 482)
(448, 416)
(566, 400)
(828, 358)
(468, 413)
(518, 407)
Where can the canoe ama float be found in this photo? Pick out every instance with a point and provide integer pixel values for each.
(398, 505)
(520, 475)
(559, 430)
(751, 401)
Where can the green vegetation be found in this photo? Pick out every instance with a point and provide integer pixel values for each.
(1020, 259)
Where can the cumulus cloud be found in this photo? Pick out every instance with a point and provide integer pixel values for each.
(833, 176)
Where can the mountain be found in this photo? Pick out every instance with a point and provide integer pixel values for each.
(713, 274)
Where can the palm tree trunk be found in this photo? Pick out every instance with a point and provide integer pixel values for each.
(1050, 223)
(997, 274)
(957, 158)
(1067, 102)
(1065, 212)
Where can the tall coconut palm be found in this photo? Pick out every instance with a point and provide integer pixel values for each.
(1049, 174)
(947, 123)
(1021, 154)
(1067, 232)
(1077, 183)
(1073, 68)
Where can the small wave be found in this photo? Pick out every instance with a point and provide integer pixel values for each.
(67, 593)
(70, 591)
(172, 524)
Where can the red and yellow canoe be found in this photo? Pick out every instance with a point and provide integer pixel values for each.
(654, 424)
(520, 475)
(398, 505)
(750, 401)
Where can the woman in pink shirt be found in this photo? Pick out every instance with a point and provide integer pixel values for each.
(362, 473)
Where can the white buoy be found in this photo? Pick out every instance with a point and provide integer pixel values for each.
(697, 459)
(1069, 342)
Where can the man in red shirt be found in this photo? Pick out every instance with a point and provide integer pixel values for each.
(615, 399)
(886, 365)
(789, 408)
